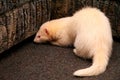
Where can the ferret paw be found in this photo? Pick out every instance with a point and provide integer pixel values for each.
(55, 43)
(74, 50)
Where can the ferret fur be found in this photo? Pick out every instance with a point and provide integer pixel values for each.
(88, 30)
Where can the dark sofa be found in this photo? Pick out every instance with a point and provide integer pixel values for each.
(19, 19)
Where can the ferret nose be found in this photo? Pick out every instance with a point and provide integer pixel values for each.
(35, 41)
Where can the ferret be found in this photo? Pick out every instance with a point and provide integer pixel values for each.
(88, 30)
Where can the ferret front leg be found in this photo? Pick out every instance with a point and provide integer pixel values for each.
(55, 43)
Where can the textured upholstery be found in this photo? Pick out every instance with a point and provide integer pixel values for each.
(20, 19)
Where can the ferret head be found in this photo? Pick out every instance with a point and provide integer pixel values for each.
(45, 33)
(42, 35)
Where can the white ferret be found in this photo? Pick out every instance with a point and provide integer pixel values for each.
(88, 30)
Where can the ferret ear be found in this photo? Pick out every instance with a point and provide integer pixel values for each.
(46, 31)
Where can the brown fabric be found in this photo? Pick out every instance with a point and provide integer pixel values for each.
(19, 19)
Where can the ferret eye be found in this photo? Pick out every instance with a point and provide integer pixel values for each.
(38, 36)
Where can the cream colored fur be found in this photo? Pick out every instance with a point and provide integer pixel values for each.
(88, 30)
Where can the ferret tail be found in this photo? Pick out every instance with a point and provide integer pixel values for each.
(100, 61)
